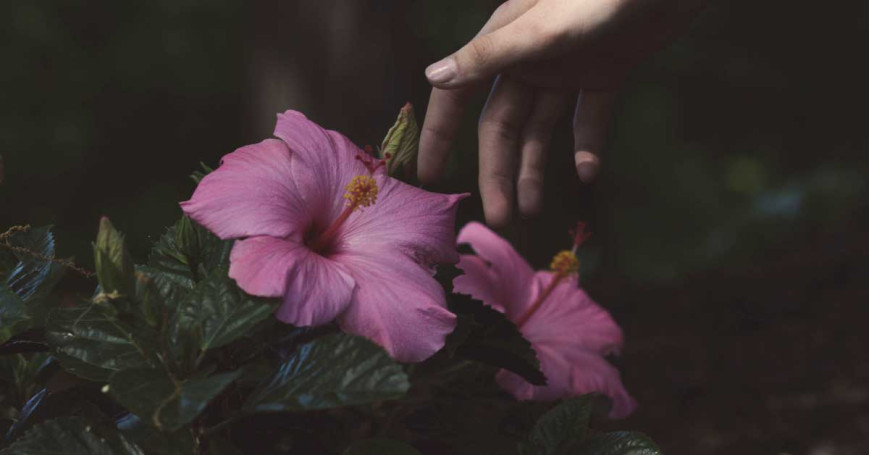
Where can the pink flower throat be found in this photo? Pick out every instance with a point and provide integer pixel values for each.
(362, 191)
(564, 264)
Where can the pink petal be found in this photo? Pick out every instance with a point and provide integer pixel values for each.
(568, 317)
(479, 281)
(315, 289)
(416, 222)
(397, 305)
(509, 279)
(251, 193)
(571, 373)
(327, 162)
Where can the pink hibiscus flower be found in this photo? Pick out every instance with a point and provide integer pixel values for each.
(320, 224)
(570, 333)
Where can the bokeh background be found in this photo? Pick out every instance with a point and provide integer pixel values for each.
(730, 234)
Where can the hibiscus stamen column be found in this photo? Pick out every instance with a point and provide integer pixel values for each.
(564, 264)
(362, 191)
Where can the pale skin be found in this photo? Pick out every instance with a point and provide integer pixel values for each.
(541, 58)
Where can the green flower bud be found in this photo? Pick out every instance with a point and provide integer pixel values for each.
(112, 261)
(399, 147)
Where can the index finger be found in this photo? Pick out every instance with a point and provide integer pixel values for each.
(443, 117)
(445, 109)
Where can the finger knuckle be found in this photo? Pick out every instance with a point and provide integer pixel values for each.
(527, 182)
(540, 123)
(501, 128)
(532, 173)
(551, 35)
(439, 134)
(480, 51)
(498, 179)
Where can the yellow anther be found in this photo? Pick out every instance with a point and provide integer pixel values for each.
(565, 263)
(362, 191)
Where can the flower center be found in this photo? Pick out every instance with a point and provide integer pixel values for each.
(362, 191)
(565, 263)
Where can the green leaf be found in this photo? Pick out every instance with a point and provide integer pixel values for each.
(561, 429)
(220, 445)
(380, 446)
(13, 318)
(620, 443)
(151, 304)
(485, 335)
(70, 436)
(401, 141)
(331, 371)
(153, 441)
(112, 261)
(45, 405)
(168, 405)
(220, 311)
(29, 279)
(186, 237)
(166, 257)
(197, 175)
(171, 288)
(23, 417)
(34, 275)
(19, 373)
(199, 253)
(93, 344)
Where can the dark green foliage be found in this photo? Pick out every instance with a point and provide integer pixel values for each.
(220, 311)
(28, 275)
(620, 443)
(93, 342)
(331, 371)
(188, 250)
(19, 377)
(167, 403)
(32, 276)
(153, 441)
(71, 436)
(560, 430)
(485, 335)
(13, 318)
(173, 358)
(380, 446)
(82, 400)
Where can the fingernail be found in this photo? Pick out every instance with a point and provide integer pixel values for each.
(587, 166)
(441, 72)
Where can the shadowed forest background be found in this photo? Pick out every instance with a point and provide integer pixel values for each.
(730, 235)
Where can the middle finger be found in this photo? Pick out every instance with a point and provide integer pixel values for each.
(499, 131)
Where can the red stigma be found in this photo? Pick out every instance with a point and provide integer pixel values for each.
(580, 235)
(370, 162)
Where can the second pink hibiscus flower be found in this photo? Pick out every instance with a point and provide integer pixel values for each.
(569, 332)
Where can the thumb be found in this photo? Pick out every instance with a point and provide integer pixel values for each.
(489, 54)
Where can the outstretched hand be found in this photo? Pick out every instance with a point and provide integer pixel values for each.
(544, 56)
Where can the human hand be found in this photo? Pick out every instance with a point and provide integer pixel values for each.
(544, 55)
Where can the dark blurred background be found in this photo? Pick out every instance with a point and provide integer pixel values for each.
(730, 234)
